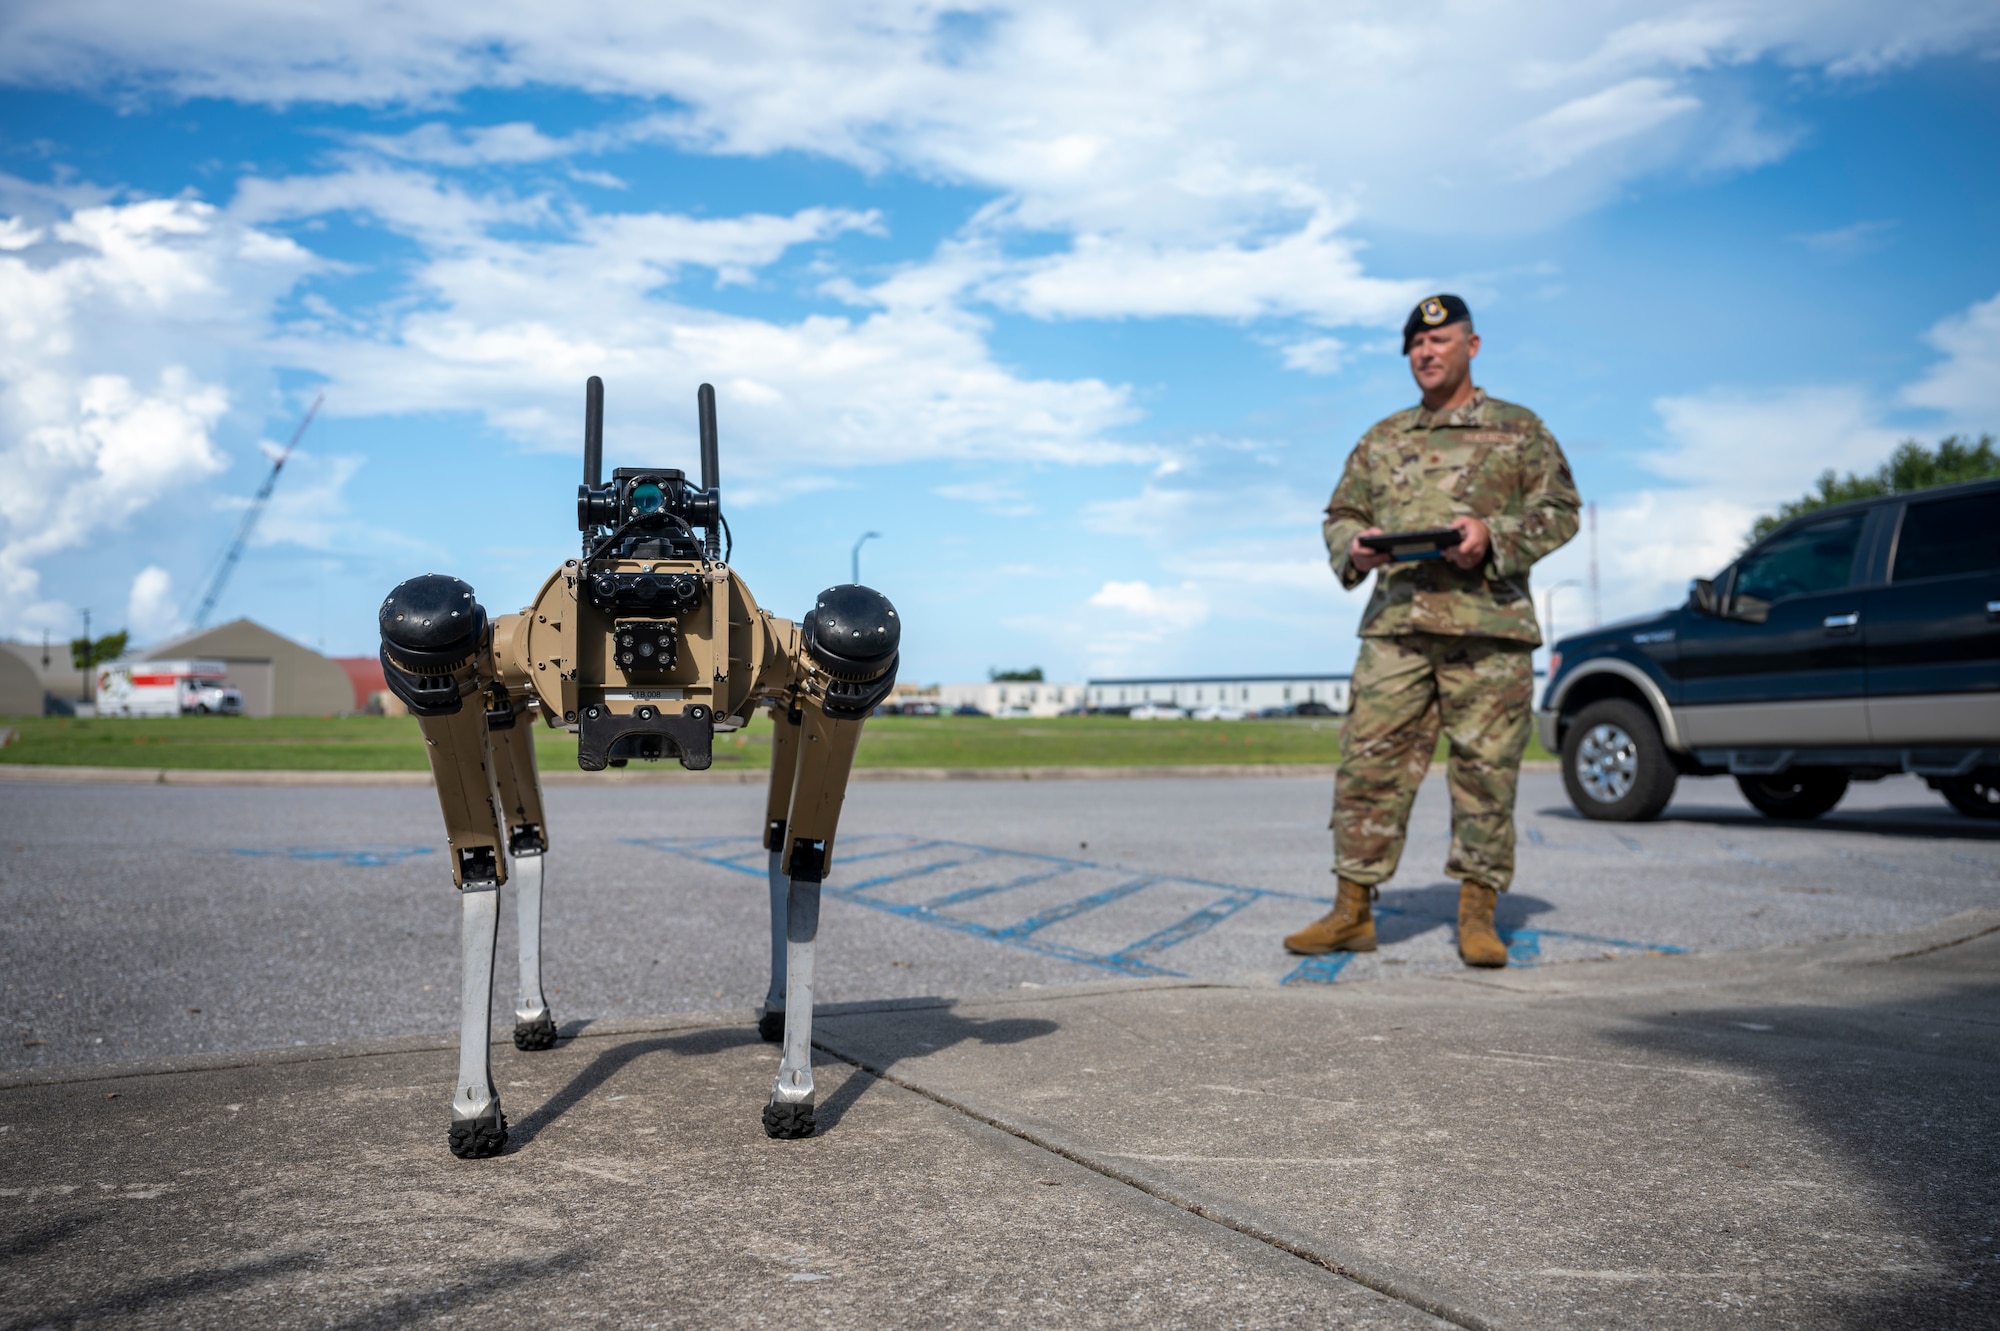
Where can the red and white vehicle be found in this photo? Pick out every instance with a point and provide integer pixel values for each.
(166, 688)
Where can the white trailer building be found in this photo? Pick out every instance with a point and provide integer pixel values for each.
(1249, 693)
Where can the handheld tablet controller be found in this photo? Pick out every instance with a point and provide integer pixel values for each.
(1404, 546)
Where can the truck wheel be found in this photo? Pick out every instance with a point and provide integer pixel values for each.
(1975, 796)
(1614, 764)
(1803, 792)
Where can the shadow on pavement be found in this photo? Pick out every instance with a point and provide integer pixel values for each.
(414, 1308)
(609, 1063)
(1908, 820)
(1921, 1139)
(149, 1296)
(939, 1028)
(1409, 912)
(31, 1241)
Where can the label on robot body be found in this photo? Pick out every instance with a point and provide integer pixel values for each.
(643, 695)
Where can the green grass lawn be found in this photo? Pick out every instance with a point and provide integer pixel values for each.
(381, 744)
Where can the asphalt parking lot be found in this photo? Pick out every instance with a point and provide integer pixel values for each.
(148, 921)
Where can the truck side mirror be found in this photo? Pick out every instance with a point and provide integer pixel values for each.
(1701, 593)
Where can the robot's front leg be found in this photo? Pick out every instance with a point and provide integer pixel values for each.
(785, 722)
(790, 1112)
(826, 753)
(436, 658)
(478, 1128)
(851, 636)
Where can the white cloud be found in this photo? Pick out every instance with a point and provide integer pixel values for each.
(1180, 126)
(1316, 355)
(510, 327)
(1179, 607)
(1003, 498)
(1847, 242)
(1966, 386)
(151, 613)
(115, 356)
(1586, 125)
(1764, 448)
(1312, 272)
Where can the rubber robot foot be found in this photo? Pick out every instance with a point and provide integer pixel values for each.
(788, 1119)
(479, 1138)
(536, 1033)
(771, 1025)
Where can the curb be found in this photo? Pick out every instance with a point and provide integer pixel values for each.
(196, 776)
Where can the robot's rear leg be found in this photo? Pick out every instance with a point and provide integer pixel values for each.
(771, 1021)
(790, 1112)
(534, 1027)
(478, 1128)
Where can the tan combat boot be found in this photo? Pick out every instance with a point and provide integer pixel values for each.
(1348, 927)
(1478, 943)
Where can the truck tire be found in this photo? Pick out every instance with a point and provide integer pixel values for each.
(1803, 792)
(1615, 765)
(1975, 796)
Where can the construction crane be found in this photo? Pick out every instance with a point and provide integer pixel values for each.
(263, 497)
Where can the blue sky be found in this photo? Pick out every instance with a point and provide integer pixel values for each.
(1081, 310)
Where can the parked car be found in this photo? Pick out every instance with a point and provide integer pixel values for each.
(1157, 711)
(1219, 711)
(1853, 642)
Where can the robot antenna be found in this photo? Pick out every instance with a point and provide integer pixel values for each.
(711, 466)
(593, 432)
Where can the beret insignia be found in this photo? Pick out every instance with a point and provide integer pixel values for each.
(1435, 312)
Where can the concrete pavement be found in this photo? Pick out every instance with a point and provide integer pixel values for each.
(1799, 1136)
(143, 921)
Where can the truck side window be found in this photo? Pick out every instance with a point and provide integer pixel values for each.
(1949, 536)
(1818, 557)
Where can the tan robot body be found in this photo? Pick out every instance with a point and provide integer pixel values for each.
(645, 647)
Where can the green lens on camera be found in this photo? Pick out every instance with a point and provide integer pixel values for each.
(647, 497)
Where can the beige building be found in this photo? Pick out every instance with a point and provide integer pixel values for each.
(20, 684)
(59, 680)
(278, 677)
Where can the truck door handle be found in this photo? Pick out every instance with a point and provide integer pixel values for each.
(1841, 623)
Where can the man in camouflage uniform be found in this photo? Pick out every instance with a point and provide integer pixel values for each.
(1445, 642)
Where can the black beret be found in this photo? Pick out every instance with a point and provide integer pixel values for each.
(1436, 312)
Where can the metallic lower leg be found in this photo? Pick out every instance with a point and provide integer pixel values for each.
(534, 1026)
(790, 1113)
(477, 1126)
(771, 1022)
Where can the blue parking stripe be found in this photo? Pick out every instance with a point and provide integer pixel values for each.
(1069, 910)
(918, 872)
(974, 893)
(1026, 942)
(1135, 959)
(1319, 970)
(1192, 926)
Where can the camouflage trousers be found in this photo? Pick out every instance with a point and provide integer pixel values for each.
(1479, 692)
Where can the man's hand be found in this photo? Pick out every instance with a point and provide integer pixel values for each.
(1470, 552)
(1364, 559)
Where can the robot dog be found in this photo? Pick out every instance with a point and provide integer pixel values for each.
(645, 647)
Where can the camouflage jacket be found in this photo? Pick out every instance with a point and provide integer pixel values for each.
(1488, 459)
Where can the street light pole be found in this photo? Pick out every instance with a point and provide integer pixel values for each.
(865, 538)
(1549, 600)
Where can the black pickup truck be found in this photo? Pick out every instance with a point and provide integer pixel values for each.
(1854, 642)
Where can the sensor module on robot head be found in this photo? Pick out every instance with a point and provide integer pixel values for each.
(649, 512)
